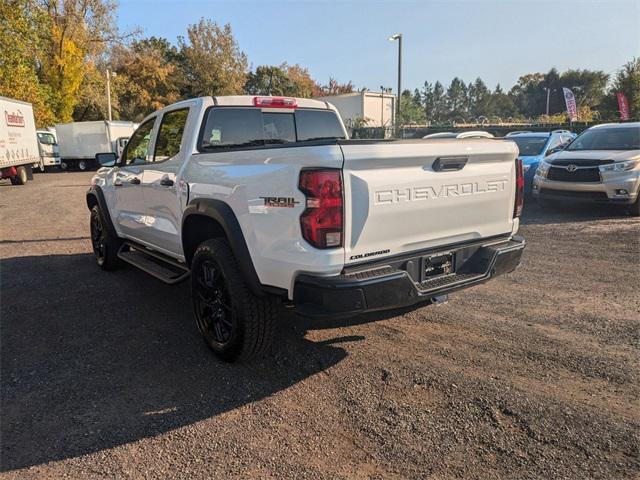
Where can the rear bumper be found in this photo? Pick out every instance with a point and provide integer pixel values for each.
(401, 282)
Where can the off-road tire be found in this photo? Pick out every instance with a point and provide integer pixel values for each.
(105, 245)
(252, 318)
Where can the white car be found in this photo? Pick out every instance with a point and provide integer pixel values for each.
(470, 134)
(263, 200)
(601, 165)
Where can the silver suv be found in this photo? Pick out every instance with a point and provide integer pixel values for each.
(600, 165)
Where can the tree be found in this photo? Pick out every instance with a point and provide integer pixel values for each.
(335, 88)
(589, 86)
(269, 80)
(479, 98)
(212, 62)
(529, 94)
(500, 105)
(21, 22)
(411, 109)
(79, 32)
(434, 102)
(457, 100)
(145, 78)
(627, 81)
(305, 85)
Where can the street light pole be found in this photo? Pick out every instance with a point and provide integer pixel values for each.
(398, 36)
(548, 94)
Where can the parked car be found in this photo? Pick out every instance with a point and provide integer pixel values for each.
(18, 141)
(472, 134)
(600, 165)
(263, 200)
(535, 146)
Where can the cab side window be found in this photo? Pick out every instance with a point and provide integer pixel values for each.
(170, 134)
(138, 147)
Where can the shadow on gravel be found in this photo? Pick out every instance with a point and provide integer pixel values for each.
(91, 360)
(570, 213)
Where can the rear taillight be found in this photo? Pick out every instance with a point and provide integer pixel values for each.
(322, 220)
(517, 209)
(275, 102)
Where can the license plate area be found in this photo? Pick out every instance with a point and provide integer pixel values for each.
(436, 266)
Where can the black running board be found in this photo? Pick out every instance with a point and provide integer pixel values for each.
(154, 263)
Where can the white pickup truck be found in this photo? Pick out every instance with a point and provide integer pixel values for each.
(263, 200)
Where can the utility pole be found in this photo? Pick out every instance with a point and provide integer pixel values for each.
(109, 94)
(398, 36)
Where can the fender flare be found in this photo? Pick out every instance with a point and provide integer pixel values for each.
(222, 213)
(96, 192)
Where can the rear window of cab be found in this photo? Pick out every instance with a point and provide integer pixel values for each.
(246, 127)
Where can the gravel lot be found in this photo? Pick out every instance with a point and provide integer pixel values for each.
(104, 375)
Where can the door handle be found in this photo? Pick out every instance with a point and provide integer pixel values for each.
(449, 164)
(166, 182)
(135, 181)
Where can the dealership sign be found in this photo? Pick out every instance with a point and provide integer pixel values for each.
(570, 100)
(623, 106)
(15, 119)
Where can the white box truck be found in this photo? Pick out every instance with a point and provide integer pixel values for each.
(18, 141)
(80, 141)
(49, 151)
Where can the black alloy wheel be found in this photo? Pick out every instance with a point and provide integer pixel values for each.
(212, 302)
(98, 237)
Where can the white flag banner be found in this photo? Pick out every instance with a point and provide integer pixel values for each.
(570, 100)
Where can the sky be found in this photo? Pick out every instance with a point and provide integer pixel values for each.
(497, 40)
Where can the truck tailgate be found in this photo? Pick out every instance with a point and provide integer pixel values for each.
(409, 195)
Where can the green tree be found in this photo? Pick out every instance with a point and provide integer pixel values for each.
(589, 86)
(500, 105)
(627, 81)
(212, 62)
(434, 102)
(21, 24)
(411, 109)
(479, 98)
(457, 100)
(269, 80)
(79, 32)
(529, 94)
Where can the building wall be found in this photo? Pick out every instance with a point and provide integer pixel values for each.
(380, 110)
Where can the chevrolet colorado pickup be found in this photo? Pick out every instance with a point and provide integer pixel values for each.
(261, 200)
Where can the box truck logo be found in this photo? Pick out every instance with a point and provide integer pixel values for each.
(15, 119)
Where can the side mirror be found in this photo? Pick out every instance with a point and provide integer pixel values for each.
(107, 159)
